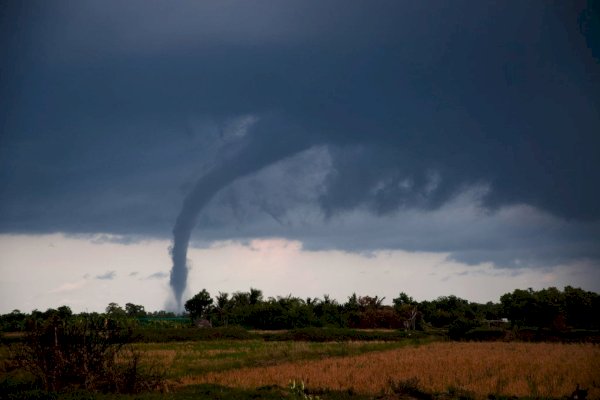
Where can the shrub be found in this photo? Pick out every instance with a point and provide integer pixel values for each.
(87, 352)
(459, 327)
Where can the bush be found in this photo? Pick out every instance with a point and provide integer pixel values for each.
(582, 335)
(87, 352)
(459, 327)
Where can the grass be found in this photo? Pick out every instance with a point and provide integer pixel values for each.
(237, 369)
(180, 334)
(535, 370)
(341, 334)
(189, 359)
(182, 361)
(191, 392)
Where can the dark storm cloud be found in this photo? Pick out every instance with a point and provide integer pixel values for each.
(463, 227)
(111, 112)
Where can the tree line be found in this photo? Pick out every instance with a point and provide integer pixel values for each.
(551, 308)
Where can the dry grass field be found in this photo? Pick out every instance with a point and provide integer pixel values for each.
(373, 369)
(511, 369)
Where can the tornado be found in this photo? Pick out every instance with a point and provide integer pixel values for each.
(269, 145)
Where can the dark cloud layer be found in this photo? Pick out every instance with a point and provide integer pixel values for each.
(111, 112)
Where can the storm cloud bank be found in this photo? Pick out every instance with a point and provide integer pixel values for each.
(375, 116)
(248, 159)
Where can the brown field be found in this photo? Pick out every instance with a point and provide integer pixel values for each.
(512, 369)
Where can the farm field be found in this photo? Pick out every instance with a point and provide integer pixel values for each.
(536, 370)
(228, 369)
(549, 370)
(186, 360)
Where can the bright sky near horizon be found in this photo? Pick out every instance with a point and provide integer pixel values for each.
(100, 272)
(300, 148)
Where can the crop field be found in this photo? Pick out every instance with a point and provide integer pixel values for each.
(187, 360)
(361, 370)
(479, 369)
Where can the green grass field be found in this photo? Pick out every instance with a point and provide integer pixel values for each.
(182, 359)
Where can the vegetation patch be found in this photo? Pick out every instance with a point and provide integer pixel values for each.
(549, 370)
(533, 344)
(189, 359)
(340, 335)
(182, 334)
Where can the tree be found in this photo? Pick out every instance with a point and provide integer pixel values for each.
(370, 303)
(199, 305)
(115, 310)
(403, 299)
(582, 308)
(328, 311)
(240, 299)
(521, 307)
(134, 310)
(222, 308)
(13, 322)
(64, 312)
(352, 303)
(351, 311)
(255, 296)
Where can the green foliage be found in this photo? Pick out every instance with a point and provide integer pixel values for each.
(115, 311)
(134, 310)
(162, 322)
(337, 335)
(66, 352)
(201, 357)
(553, 309)
(459, 327)
(548, 309)
(199, 305)
(13, 322)
(403, 299)
(152, 335)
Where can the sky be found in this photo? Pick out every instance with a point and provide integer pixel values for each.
(151, 149)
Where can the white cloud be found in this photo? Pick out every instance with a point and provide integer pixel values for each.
(158, 275)
(107, 276)
(69, 287)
